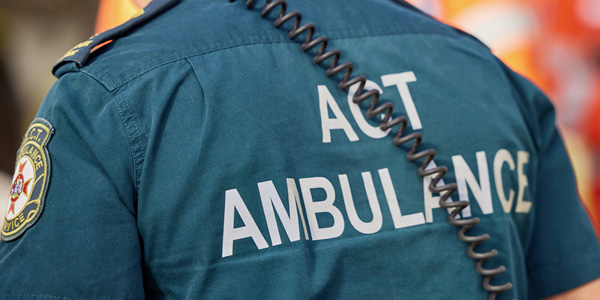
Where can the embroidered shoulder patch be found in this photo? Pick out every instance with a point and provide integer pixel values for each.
(30, 182)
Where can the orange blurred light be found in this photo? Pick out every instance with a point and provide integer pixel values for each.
(112, 13)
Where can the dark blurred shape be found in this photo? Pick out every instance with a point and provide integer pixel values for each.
(10, 131)
(51, 5)
(33, 35)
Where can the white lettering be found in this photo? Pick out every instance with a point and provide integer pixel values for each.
(324, 206)
(233, 202)
(293, 192)
(401, 81)
(522, 205)
(482, 192)
(503, 156)
(362, 227)
(339, 122)
(361, 121)
(269, 198)
(390, 194)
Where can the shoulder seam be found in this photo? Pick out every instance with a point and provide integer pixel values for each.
(103, 84)
(135, 148)
(112, 87)
(125, 116)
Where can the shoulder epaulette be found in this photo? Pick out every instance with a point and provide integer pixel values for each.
(80, 53)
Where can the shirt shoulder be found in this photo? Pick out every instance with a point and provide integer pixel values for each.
(81, 52)
(171, 30)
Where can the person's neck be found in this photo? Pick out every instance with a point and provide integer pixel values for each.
(141, 3)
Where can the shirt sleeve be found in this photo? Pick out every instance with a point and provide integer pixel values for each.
(563, 251)
(85, 244)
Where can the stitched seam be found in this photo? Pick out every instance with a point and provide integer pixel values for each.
(193, 55)
(106, 87)
(130, 142)
(114, 102)
(360, 36)
(338, 34)
(137, 164)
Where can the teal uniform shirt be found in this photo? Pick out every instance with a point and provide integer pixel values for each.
(202, 155)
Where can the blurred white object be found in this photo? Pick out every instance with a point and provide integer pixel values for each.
(589, 12)
(504, 26)
(4, 193)
(431, 7)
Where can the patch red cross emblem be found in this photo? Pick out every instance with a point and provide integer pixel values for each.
(30, 182)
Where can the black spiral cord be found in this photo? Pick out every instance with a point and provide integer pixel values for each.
(399, 139)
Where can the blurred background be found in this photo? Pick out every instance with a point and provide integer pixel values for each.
(554, 43)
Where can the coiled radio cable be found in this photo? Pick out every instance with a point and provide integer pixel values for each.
(374, 109)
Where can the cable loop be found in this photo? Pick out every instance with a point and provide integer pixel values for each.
(401, 122)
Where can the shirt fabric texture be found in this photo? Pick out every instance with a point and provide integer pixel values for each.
(207, 110)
